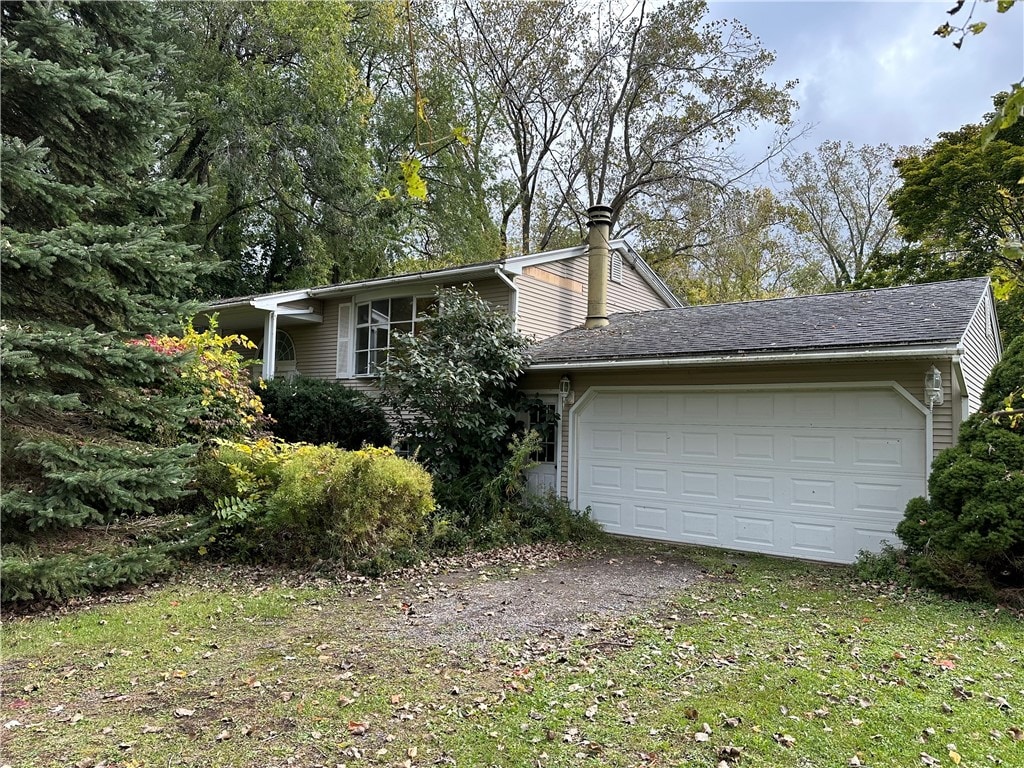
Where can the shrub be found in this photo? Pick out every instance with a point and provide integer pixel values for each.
(317, 411)
(213, 381)
(887, 565)
(453, 387)
(507, 512)
(286, 502)
(969, 535)
(352, 506)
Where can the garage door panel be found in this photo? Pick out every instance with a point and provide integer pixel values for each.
(813, 539)
(830, 477)
(699, 526)
(754, 447)
(754, 489)
(756, 532)
(651, 442)
(650, 519)
(884, 498)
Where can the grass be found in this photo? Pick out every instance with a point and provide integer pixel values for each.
(777, 664)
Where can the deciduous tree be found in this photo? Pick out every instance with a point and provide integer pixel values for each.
(841, 195)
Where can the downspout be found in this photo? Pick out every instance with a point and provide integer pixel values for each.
(514, 308)
(599, 220)
(269, 345)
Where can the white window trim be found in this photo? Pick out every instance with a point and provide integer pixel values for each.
(354, 325)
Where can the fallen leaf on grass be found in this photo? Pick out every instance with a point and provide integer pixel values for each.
(357, 729)
(591, 712)
(151, 729)
(928, 759)
(944, 663)
(223, 735)
(184, 712)
(955, 757)
(784, 740)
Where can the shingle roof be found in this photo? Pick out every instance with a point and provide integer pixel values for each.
(932, 313)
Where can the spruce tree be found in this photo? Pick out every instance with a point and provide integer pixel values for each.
(90, 264)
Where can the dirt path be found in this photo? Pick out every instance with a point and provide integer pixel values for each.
(541, 592)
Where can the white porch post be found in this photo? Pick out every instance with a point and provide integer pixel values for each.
(269, 345)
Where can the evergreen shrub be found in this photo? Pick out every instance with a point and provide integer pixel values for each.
(317, 411)
(968, 536)
(63, 576)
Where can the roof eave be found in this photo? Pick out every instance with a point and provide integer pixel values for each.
(437, 276)
(942, 349)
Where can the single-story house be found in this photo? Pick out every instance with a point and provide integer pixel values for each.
(795, 426)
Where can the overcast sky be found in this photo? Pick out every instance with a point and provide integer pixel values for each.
(871, 71)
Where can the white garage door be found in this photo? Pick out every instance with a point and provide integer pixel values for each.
(816, 474)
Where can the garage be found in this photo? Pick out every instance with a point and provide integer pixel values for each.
(798, 427)
(813, 473)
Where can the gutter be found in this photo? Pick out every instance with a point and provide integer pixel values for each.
(742, 359)
(514, 308)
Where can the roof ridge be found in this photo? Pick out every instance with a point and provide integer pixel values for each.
(806, 296)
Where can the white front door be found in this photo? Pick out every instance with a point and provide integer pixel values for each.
(819, 474)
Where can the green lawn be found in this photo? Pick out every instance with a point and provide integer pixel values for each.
(777, 664)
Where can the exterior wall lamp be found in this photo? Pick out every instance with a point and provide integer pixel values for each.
(933, 387)
(565, 393)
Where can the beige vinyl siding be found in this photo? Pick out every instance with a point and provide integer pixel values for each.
(633, 294)
(553, 296)
(316, 344)
(549, 303)
(981, 351)
(908, 374)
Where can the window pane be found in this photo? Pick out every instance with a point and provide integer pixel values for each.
(378, 338)
(401, 327)
(379, 312)
(381, 357)
(362, 314)
(401, 309)
(424, 304)
(361, 358)
(362, 338)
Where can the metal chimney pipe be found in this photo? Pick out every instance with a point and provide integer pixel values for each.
(599, 222)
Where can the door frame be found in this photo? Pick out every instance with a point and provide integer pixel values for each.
(551, 397)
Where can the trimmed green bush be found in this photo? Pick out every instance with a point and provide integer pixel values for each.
(352, 506)
(317, 411)
(969, 535)
(285, 502)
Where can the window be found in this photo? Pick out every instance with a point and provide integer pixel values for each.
(285, 348)
(284, 357)
(543, 419)
(377, 321)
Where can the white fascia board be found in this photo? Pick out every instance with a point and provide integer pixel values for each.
(439, 276)
(516, 264)
(885, 353)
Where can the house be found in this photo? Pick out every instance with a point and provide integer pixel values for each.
(796, 426)
(342, 331)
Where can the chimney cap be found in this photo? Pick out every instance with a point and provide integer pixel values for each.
(599, 214)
